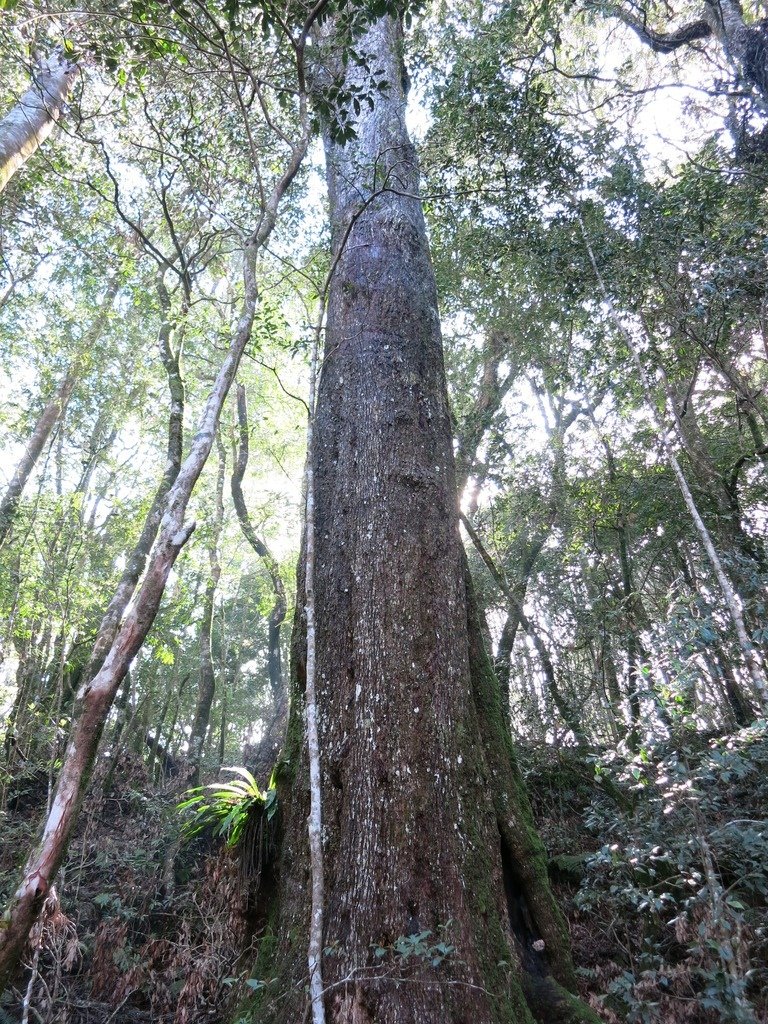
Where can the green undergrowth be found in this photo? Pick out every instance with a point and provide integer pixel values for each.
(665, 893)
(667, 902)
(146, 928)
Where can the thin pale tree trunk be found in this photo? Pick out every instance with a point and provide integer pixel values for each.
(206, 688)
(315, 819)
(749, 653)
(97, 694)
(51, 415)
(27, 125)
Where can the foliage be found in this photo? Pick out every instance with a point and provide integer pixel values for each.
(535, 119)
(418, 947)
(680, 886)
(226, 807)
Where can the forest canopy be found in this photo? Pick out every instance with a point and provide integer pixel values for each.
(461, 310)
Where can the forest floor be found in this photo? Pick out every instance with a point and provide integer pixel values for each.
(660, 862)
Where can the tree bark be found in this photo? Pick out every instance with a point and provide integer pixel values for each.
(206, 687)
(24, 128)
(277, 614)
(425, 823)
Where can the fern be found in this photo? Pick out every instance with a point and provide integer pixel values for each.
(226, 807)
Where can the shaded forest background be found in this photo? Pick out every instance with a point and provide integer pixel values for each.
(594, 180)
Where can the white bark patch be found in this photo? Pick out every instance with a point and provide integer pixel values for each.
(31, 121)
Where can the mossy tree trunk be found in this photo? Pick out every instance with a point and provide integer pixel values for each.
(426, 824)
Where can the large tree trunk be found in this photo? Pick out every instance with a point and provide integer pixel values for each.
(31, 121)
(425, 824)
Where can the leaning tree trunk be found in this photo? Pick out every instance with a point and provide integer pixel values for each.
(27, 125)
(51, 415)
(426, 828)
(97, 694)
